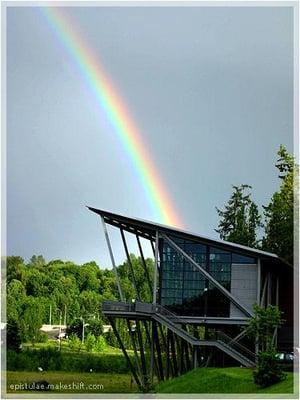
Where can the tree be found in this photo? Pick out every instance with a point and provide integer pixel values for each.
(37, 261)
(279, 213)
(90, 342)
(13, 335)
(100, 344)
(32, 319)
(74, 342)
(240, 219)
(262, 326)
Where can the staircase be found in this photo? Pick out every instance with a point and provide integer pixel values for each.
(221, 341)
(173, 322)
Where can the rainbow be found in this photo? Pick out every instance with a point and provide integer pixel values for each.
(111, 103)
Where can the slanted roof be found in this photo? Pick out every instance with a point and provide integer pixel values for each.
(147, 229)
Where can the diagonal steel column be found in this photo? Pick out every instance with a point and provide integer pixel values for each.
(133, 370)
(155, 268)
(112, 259)
(130, 264)
(234, 300)
(144, 263)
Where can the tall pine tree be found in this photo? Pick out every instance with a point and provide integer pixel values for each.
(240, 218)
(279, 213)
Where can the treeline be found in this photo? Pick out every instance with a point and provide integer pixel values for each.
(63, 292)
(241, 220)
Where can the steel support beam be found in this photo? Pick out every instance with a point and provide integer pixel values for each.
(263, 296)
(269, 299)
(234, 300)
(112, 259)
(258, 281)
(158, 351)
(130, 264)
(155, 268)
(142, 354)
(133, 371)
(132, 338)
(144, 264)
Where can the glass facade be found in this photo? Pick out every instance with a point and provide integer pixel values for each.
(184, 290)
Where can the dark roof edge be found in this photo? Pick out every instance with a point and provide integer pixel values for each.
(153, 225)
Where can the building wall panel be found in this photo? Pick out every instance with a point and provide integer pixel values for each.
(243, 286)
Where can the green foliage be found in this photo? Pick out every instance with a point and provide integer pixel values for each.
(279, 213)
(240, 219)
(95, 326)
(100, 344)
(263, 324)
(221, 380)
(32, 319)
(90, 342)
(75, 328)
(13, 336)
(51, 359)
(268, 369)
(92, 326)
(111, 339)
(74, 342)
(37, 261)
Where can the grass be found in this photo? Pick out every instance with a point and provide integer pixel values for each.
(66, 349)
(221, 380)
(73, 382)
(202, 380)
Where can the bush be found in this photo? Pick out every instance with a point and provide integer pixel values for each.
(90, 342)
(100, 344)
(74, 342)
(51, 359)
(268, 369)
(111, 339)
(13, 336)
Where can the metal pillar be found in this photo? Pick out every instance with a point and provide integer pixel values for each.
(269, 299)
(155, 268)
(133, 371)
(263, 296)
(142, 354)
(144, 264)
(112, 259)
(130, 264)
(258, 281)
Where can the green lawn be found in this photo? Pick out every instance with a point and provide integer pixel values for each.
(202, 380)
(73, 382)
(221, 380)
(65, 347)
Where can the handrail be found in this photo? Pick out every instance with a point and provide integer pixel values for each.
(159, 311)
(235, 345)
(109, 305)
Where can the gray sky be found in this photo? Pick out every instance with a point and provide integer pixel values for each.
(211, 90)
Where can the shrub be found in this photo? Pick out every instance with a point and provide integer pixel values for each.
(268, 369)
(100, 344)
(90, 342)
(13, 336)
(74, 342)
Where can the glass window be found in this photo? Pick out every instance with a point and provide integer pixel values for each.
(184, 289)
(241, 259)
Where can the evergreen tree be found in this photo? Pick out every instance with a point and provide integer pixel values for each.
(240, 218)
(279, 213)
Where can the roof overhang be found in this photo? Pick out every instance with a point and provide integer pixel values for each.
(148, 229)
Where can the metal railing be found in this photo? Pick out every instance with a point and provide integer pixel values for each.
(159, 309)
(117, 306)
(235, 345)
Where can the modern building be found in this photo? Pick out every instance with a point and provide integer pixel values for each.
(203, 291)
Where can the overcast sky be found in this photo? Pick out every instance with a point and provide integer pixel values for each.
(211, 90)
